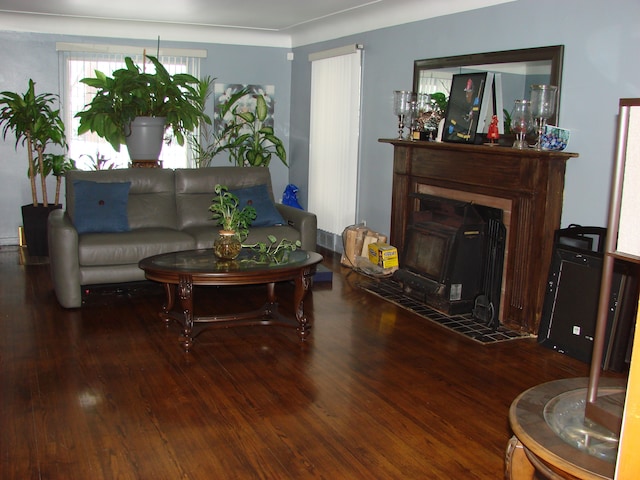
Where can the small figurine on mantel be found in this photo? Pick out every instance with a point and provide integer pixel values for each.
(493, 134)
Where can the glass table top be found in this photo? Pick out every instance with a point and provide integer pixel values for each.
(205, 261)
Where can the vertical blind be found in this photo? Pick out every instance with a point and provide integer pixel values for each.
(80, 61)
(334, 139)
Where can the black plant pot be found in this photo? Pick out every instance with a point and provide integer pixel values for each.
(34, 222)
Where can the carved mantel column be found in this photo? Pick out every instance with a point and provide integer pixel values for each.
(530, 181)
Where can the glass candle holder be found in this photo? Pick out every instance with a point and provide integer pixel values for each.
(401, 108)
(543, 106)
(521, 122)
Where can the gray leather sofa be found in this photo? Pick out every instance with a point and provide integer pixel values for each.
(168, 210)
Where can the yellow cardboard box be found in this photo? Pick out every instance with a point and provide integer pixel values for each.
(383, 255)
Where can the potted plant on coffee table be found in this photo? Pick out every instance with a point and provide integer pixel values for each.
(37, 126)
(135, 108)
(235, 222)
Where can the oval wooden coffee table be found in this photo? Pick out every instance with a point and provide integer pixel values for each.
(181, 271)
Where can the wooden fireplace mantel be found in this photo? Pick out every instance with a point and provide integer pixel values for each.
(531, 181)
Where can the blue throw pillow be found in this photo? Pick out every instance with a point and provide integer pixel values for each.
(267, 214)
(101, 207)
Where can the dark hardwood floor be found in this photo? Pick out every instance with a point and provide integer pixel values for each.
(106, 391)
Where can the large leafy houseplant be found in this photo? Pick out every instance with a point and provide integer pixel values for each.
(244, 135)
(131, 93)
(37, 125)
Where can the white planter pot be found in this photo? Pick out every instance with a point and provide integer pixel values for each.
(145, 137)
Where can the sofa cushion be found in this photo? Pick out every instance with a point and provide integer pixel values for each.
(96, 249)
(101, 207)
(195, 190)
(258, 197)
(151, 196)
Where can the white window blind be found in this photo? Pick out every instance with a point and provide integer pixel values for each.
(334, 138)
(80, 61)
(432, 82)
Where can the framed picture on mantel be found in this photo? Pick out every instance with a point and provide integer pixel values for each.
(464, 107)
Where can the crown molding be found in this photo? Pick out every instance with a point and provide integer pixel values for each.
(91, 27)
(381, 15)
(374, 16)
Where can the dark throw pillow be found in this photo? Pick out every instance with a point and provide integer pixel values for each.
(258, 197)
(101, 207)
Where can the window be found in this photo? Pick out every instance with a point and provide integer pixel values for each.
(81, 60)
(334, 137)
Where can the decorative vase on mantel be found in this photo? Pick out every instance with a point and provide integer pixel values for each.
(227, 246)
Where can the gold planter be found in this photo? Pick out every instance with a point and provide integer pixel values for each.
(227, 246)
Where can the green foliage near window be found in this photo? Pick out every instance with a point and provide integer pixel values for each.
(202, 142)
(58, 165)
(131, 92)
(37, 125)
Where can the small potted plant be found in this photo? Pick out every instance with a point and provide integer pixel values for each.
(235, 222)
(37, 125)
(131, 100)
(244, 135)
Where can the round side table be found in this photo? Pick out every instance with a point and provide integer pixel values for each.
(536, 451)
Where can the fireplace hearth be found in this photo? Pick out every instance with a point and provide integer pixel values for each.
(463, 324)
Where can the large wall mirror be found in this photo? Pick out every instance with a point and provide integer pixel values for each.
(519, 70)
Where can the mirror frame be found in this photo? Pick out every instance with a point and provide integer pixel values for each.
(554, 54)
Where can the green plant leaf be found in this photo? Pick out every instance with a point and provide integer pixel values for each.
(248, 117)
(261, 108)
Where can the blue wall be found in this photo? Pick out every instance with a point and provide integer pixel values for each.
(601, 65)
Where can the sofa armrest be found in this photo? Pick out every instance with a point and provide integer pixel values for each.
(63, 259)
(305, 222)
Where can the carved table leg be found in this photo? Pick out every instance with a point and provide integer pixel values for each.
(271, 307)
(303, 281)
(185, 291)
(169, 291)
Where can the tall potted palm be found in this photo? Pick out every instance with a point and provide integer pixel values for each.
(36, 125)
(135, 108)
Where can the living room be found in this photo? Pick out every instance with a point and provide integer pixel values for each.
(594, 61)
(596, 74)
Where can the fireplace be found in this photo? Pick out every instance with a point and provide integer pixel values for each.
(527, 185)
(447, 258)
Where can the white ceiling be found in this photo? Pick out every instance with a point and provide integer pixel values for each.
(299, 21)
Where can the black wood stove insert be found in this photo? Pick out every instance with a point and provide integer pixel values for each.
(452, 258)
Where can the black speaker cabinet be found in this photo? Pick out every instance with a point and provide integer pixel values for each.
(571, 303)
